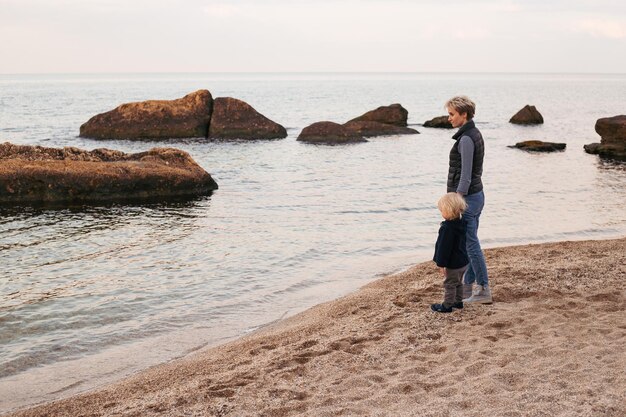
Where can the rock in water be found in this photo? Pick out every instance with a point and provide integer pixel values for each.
(539, 146)
(236, 119)
(528, 115)
(383, 121)
(612, 131)
(329, 132)
(185, 117)
(393, 114)
(34, 174)
(439, 122)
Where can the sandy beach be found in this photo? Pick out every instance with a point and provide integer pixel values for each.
(552, 344)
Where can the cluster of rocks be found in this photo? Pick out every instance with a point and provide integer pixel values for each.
(34, 174)
(612, 131)
(527, 115)
(383, 121)
(195, 115)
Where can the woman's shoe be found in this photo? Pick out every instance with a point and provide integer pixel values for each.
(481, 295)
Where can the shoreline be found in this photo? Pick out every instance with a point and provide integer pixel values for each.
(549, 345)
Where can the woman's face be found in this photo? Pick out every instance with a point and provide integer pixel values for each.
(456, 119)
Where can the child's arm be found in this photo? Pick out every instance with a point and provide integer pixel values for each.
(444, 247)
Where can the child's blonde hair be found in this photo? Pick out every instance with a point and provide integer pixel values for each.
(451, 206)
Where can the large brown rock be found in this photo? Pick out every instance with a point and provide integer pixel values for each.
(329, 132)
(539, 146)
(384, 121)
(394, 114)
(440, 122)
(370, 129)
(528, 115)
(34, 174)
(154, 119)
(235, 119)
(612, 131)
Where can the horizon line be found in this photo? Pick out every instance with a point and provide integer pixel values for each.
(309, 72)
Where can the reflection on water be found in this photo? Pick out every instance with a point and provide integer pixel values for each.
(91, 293)
(79, 278)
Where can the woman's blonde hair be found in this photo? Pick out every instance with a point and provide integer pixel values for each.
(462, 104)
(451, 206)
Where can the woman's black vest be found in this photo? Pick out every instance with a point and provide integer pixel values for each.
(454, 173)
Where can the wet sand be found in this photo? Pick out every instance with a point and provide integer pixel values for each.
(552, 344)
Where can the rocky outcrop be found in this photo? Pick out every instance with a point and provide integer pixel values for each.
(370, 129)
(235, 119)
(612, 131)
(154, 119)
(329, 132)
(529, 115)
(195, 115)
(34, 174)
(440, 122)
(393, 114)
(539, 146)
(383, 121)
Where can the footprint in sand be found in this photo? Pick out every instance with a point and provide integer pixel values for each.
(477, 368)
(308, 344)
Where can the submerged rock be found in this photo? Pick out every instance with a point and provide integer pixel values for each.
(34, 174)
(393, 114)
(329, 132)
(236, 119)
(539, 146)
(528, 115)
(612, 131)
(440, 122)
(154, 119)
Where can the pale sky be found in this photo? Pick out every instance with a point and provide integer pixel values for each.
(73, 36)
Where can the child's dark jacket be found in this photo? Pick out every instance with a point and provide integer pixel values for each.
(450, 251)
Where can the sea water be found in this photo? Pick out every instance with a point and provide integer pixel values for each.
(89, 294)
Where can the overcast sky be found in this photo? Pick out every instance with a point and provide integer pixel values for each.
(41, 36)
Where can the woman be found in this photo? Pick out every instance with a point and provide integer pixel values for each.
(464, 177)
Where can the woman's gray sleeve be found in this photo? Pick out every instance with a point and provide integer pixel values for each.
(466, 149)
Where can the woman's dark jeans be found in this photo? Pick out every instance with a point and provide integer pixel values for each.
(477, 271)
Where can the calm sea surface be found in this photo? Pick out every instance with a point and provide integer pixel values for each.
(90, 294)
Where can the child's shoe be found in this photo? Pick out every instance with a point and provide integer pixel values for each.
(458, 305)
(440, 308)
(481, 295)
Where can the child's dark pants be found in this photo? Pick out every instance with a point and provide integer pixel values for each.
(453, 286)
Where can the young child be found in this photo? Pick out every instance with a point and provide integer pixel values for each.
(450, 253)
